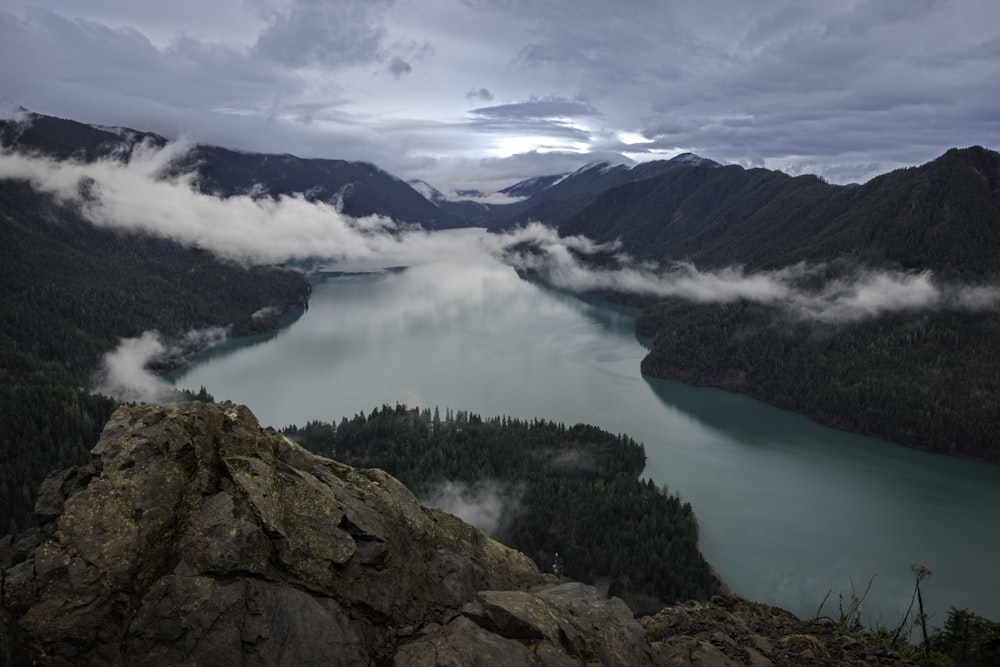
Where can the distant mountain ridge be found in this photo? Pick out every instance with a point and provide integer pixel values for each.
(361, 188)
(555, 199)
(943, 216)
(925, 378)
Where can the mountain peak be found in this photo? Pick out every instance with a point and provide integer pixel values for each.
(692, 159)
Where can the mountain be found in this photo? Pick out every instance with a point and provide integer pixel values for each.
(194, 536)
(533, 186)
(943, 216)
(72, 291)
(64, 139)
(362, 189)
(925, 378)
(555, 199)
(470, 210)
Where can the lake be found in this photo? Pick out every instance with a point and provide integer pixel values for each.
(788, 509)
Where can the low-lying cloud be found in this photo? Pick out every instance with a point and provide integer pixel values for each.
(141, 192)
(481, 504)
(858, 295)
(142, 195)
(126, 373)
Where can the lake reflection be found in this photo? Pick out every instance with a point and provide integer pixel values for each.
(788, 509)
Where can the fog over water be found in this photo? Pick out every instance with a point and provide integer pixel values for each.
(788, 509)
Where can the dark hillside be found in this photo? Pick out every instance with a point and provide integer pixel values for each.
(362, 188)
(944, 216)
(930, 381)
(70, 292)
(554, 200)
(925, 379)
(64, 139)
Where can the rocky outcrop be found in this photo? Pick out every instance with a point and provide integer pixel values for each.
(197, 537)
(729, 631)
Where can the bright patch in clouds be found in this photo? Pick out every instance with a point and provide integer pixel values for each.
(510, 146)
(633, 138)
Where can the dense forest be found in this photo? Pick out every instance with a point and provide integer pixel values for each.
(926, 379)
(942, 216)
(930, 381)
(71, 292)
(572, 496)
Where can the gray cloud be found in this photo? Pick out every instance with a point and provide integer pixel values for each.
(481, 94)
(317, 32)
(546, 117)
(482, 504)
(535, 108)
(398, 67)
(546, 130)
(862, 294)
(846, 90)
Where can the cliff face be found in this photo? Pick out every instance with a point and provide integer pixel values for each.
(197, 537)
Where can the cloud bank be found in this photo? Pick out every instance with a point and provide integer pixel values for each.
(137, 192)
(862, 294)
(138, 195)
(439, 90)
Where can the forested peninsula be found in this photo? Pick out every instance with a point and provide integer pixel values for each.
(570, 497)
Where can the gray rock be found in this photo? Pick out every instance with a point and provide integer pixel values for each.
(203, 538)
(562, 621)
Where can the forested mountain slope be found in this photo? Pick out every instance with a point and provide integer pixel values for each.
(924, 377)
(71, 291)
(944, 216)
(556, 199)
(362, 189)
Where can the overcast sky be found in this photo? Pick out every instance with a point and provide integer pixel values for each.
(482, 93)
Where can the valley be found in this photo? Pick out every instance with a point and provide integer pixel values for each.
(871, 308)
(787, 509)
